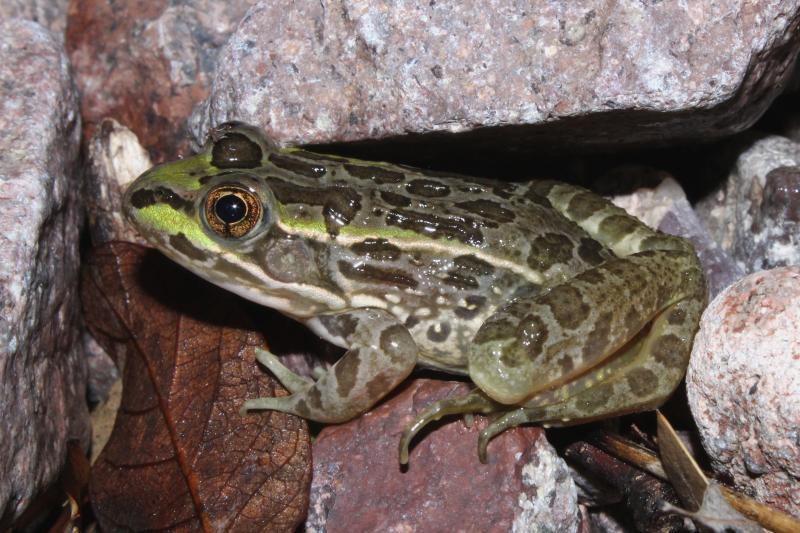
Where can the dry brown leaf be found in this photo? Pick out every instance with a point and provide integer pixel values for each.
(689, 481)
(180, 456)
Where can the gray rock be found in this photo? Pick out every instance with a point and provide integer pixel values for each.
(52, 14)
(42, 370)
(743, 385)
(593, 72)
(756, 215)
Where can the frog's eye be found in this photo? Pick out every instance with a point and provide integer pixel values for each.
(232, 211)
(235, 150)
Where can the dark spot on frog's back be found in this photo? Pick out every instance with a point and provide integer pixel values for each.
(597, 397)
(373, 274)
(585, 204)
(548, 250)
(438, 332)
(375, 173)
(460, 281)
(592, 252)
(297, 166)
(676, 317)
(394, 199)
(487, 208)
(142, 198)
(346, 372)
(598, 339)
(618, 227)
(396, 342)
(567, 305)
(642, 381)
(427, 188)
(670, 351)
(469, 264)
(473, 306)
(339, 204)
(184, 246)
(377, 249)
(460, 228)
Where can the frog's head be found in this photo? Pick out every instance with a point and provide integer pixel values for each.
(215, 214)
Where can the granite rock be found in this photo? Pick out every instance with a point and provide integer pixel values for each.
(743, 385)
(756, 214)
(358, 484)
(146, 64)
(52, 14)
(514, 74)
(42, 370)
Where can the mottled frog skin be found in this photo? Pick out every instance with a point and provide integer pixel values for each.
(559, 306)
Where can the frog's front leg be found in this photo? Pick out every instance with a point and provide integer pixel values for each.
(381, 353)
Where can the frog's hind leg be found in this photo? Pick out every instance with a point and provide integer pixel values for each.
(636, 379)
(381, 354)
(474, 402)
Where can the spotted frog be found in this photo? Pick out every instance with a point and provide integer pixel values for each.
(560, 307)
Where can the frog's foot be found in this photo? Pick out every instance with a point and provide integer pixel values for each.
(474, 402)
(381, 354)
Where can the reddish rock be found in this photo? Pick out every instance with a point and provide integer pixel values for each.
(743, 385)
(42, 370)
(359, 484)
(146, 64)
(593, 72)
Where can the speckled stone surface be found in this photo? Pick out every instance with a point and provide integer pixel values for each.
(743, 385)
(42, 372)
(52, 14)
(146, 64)
(597, 72)
(756, 215)
(358, 484)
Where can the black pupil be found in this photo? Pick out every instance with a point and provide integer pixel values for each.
(230, 209)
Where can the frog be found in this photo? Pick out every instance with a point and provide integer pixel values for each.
(558, 306)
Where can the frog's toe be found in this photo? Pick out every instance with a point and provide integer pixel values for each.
(508, 420)
(267, 404)
(474, 402)
(293, 382)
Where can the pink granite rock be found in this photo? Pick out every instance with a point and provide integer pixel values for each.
(52, 14)
(358, 483)
(146, 64)
(597, 72)
(743, 385)
(42, 372)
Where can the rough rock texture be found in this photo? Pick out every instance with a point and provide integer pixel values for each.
(757, 215)
(42, 374)
(146, 64)
(52, 14)
(596, 72)
(743, 385)
(358, 484)
(666, 208)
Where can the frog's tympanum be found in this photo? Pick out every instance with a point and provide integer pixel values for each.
(558, 306)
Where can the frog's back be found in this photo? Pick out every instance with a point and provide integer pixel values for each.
(441, 253)
(510, 225)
